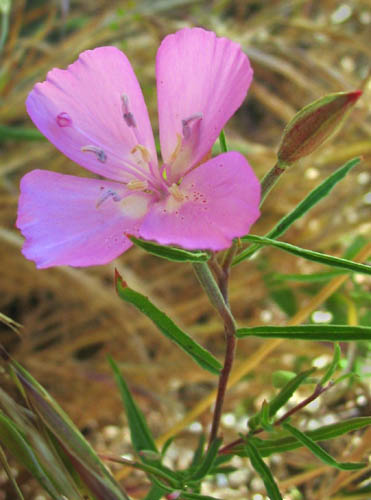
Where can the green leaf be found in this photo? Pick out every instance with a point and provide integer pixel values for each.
(281, 398)
(303, 207)
(20, 134)
(333, 365)
(166, 446)
(320, 333)
(196, 496)
(208, 460)
(155, 493)
(263, 470)
(268, 447)
(170, 253)
(322, 258)
(223, 142)
(285, 299)
(141, 436)
(306, 278)
(166, 326)
(197, 457)
(320, 452)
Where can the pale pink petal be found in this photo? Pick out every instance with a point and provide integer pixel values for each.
(82, 106)
(75, 221)
(197, 73)
(220, 202)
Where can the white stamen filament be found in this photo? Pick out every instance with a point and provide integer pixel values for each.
(137, 185)
(126, 113)
(176, 192)
(100, 154)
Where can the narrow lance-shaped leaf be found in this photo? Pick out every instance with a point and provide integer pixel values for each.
(268, 447)
(155, 493)
(166, 326)
(170, 253)
(141, 436)
(208, 460)
(282, 397)
(333, 365)
(263, 470)
(320, 452)
(322, 258)
(197, 457)
(320, 333)
(315, 196)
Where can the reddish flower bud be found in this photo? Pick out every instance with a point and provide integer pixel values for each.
(313, 125)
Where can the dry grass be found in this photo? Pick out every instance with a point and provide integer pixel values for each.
(71, 317)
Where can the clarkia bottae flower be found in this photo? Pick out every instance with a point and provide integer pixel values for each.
(94, 112)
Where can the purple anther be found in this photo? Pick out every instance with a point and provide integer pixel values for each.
(100, 153)
(107, 195)
(126, 113)
(64, 120)
(187, 124)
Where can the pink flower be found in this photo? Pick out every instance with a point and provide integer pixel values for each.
(94, 112)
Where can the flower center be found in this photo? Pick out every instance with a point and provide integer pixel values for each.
(176, 192)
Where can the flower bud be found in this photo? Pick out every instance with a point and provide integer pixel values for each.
(313, 125)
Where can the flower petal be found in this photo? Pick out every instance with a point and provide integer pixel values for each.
(75, 221)
(82, 106)
(220, 202)
(197, 73)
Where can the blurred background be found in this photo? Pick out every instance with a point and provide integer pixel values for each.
(71, 318)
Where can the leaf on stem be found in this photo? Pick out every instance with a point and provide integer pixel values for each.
(315, 196)
(281, 398)
(322, 258)
(173, 254)
(167, 327)
(268, 447)
(319, 452)
(208, 461)
(263, 470)
(319, 333)
(333, 365)
(141, 436)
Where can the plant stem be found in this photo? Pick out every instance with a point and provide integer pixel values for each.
(270, 179)
(215, 295)
(317, 392)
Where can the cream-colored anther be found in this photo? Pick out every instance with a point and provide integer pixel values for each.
(176, 192)
(146, 155)
(137, 185)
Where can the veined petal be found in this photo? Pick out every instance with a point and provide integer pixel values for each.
(202, 78)
(75, 221)
(82, 107)
(216, 202)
